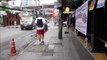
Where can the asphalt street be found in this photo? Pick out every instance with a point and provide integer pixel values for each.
(21, 37)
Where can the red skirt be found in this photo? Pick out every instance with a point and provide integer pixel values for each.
(40, 32)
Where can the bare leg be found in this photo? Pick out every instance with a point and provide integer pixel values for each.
(39, 37)
(42, 37)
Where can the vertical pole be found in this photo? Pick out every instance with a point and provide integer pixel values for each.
(60, 23)
(60, 28)
(92, 31)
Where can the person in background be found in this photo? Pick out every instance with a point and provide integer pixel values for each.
(40, 25)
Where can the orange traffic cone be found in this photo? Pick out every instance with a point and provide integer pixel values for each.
(13, 49)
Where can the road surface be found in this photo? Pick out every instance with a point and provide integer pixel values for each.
(21, 37)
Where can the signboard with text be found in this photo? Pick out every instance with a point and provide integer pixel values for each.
(81, 18)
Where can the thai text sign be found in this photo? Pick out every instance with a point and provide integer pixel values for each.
(81, 18)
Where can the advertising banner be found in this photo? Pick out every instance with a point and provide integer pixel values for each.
(81, 18)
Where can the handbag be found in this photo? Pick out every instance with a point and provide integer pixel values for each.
(46, 28)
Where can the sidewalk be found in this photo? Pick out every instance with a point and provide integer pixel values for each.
(17, 26)
(54, 49)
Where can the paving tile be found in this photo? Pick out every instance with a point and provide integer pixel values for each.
(58, 48)
(46, 58)
(37, 48)
(58, 56)
(51, 46)
(47, 54)
(48, 51)
(29, 56)
(57, 43)
(69, 58)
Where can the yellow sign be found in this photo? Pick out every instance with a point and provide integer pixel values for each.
(92, 5)
(67, 10)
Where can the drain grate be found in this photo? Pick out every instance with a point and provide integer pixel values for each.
(37, 48)
(47, 54)
(48, 51)
(58, 43)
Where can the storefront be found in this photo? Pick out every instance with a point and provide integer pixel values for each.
(11, 19)
(91, 23)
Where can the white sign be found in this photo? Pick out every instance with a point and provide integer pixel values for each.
(81, 18)
(12, 3)
(0, 4)
(28, 3)
(100, 3)
(3, 13)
